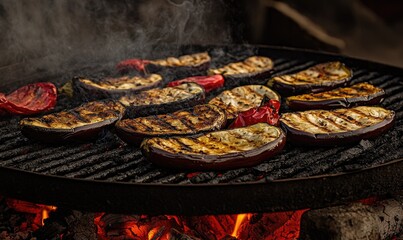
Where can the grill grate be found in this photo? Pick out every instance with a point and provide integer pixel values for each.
(111, 160)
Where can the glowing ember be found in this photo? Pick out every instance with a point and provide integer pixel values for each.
(152, 233)
(191, 175)
(239, 220)
(290, 229)
(267, 226)
(282, 225)
(39, 211)
(45, 212)
(370, 200)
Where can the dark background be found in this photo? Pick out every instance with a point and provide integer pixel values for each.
(368, 29)
(54, 33)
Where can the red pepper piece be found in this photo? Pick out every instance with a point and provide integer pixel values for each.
(268, 112)
(207, 82)
(134, 63)
(3, 100)
(30, 99)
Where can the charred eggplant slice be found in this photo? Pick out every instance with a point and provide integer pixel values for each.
(86, 122)
(319, 78)
(165, 100)
(201, 118)
(114, 87)
(183, 66)
(358, 94)
(191, 60)
(334, 127)
(248, 71)
(242, 98)
(221, 150)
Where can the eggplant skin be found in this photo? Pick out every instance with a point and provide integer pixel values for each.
(250, 71)
(113, 87)
(84, 123)
(183, 66)
(242, 98)
(355, 95)
(201, 118)
(165, 100)
(221, 150)
(319, 78)
(336, 127)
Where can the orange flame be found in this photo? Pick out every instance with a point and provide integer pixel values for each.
(239, 220)
(152, 233)
(45, 212)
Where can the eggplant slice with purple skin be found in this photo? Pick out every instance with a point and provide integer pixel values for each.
(336, 127)
(201, 118)
(358, 94)
(180, 67)
(84, 123)
(114, 87)
(242, 98)
(249, 71)
(319, 78)
(165, 100)
(221, 150)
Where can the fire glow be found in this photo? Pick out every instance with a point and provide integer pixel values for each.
(283, 225)
(239, 220)
(39, 212)
(267, 226)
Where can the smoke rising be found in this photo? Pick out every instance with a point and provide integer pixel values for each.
(58, 33)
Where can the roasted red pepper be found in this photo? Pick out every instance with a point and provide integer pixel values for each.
(30, 99)
(134, 63)
(207, 82)
(268, 112)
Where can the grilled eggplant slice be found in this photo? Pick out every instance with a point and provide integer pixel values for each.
(242, 98)
(183, 66)
(249, 71)
(221, 150)
(114, 87)
(191, 60)
(336, 127)
(86, 122)
(358, 94)
(201, 118)
(165, 100)
(319, 78)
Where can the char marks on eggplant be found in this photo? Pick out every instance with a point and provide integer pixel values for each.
(358, 94)
(83, 123)
(339, 126)
(191, 60)
(319, 78)
(114, 87)
(248, 71)
(183, 66)
(165, 100)
(201, 118)
(227, 149)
